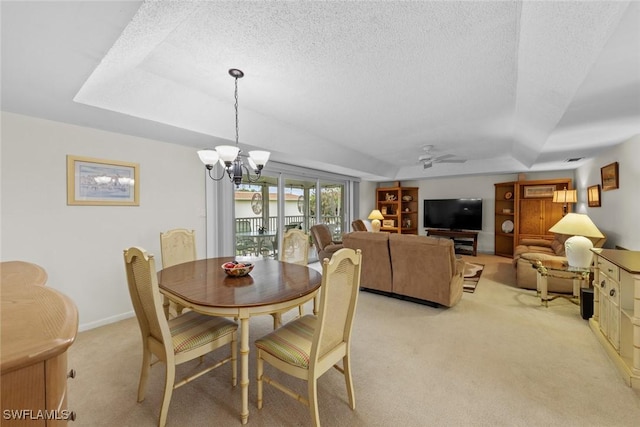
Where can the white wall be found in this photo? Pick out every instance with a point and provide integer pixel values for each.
(81, 246)
(619, 214)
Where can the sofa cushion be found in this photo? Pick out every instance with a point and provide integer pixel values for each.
(376, 264)
(425, 268)
(558, 247)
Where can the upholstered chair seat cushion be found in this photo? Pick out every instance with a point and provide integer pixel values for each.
(192, 330)
(291, 343)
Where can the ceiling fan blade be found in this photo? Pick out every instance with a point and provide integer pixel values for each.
(444, 156)
(452, 161)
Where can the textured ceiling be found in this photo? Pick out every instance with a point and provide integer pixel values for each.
(349, 87)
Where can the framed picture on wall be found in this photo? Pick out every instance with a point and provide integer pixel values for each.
(97, 182)
(609, 176)
(593, 196)
(541, 191)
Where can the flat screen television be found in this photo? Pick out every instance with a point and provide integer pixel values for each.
(453, 214)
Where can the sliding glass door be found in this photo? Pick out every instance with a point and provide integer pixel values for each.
(285, 197)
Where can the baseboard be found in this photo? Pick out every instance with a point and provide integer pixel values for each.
(106, 321)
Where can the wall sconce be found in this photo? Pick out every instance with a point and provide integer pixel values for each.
(593, 196)
(565, 196)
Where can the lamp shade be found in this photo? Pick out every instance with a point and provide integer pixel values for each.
(375, 216)
(575, 224)
(208, 157)
(228, 153)
(260, 158)
(577, 248)
(565, 196)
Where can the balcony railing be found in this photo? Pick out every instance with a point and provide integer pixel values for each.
(294, 221)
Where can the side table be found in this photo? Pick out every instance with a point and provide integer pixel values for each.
(544, 270)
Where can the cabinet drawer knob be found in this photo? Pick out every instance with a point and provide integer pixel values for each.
(610, 270)
(612, 292)
(603, 283)
(71, 374)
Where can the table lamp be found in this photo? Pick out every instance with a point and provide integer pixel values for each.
(375, 216)
(577, 248)
(565, 196)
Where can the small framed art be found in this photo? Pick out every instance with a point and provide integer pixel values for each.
(534, 191)
(609, 176)
(97, 182)
(388, 223)
(593, 196)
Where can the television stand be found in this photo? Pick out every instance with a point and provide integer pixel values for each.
(464, 242)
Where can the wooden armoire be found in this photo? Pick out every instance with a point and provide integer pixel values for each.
(525, 210)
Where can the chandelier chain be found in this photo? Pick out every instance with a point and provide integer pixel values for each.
(236, 107)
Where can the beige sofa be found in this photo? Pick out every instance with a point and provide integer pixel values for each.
(552, 253)
(409, 266)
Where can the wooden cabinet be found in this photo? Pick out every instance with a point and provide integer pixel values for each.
(525, 210)
(38, 326)
(504, 218)
(399, 206)
(536, 212)
(464, 242)
(536, 217)
(616, 309)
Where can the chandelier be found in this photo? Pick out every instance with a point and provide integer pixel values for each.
(230, 157)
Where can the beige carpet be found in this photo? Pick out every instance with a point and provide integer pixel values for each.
(496, 359)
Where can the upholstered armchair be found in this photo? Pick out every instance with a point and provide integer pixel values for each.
(323, 241)
(531, 250)
(358, 225)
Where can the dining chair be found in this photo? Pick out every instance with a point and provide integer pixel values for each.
(175, 341)
(358, 225)
(323, 241)
(308, 346)
(295, 250)
(176, 247)
(295, 247)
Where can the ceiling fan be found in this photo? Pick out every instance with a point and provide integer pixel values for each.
(428, 158)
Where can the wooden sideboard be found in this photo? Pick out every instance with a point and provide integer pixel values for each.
(22, 273)
(38, 326)
(616, 309)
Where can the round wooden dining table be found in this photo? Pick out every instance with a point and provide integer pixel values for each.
(272, 287)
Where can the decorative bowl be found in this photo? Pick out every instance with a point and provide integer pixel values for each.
(238, 269)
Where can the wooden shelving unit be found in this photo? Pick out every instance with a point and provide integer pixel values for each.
(504, 211)
(399, 206)
(528, 205)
